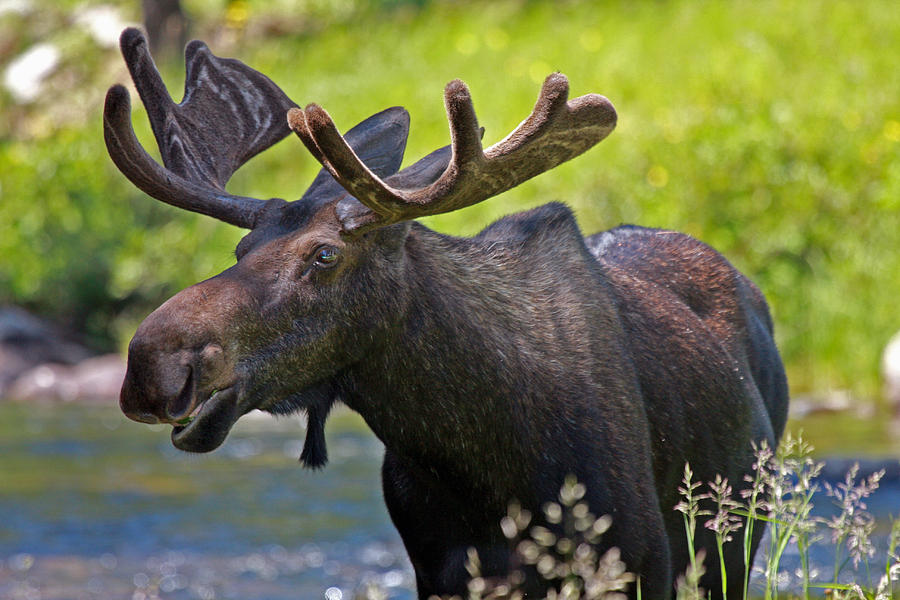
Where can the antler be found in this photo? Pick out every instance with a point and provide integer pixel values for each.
(555, 132)
(229, 114)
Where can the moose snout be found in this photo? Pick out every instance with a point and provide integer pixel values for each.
(166, 386)
(176, 358)
(158, 386)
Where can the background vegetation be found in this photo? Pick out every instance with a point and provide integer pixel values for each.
(770, 130)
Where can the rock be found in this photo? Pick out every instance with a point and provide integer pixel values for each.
(890, 373)
(94, 380)
(832, 402)
(27, 341)
(100, 377)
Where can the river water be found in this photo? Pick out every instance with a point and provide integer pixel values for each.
(95, 506)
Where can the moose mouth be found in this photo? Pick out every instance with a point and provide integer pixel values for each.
(209, 424)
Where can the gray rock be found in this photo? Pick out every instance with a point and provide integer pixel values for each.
(94, 380)
(27, 341)
(890, 372)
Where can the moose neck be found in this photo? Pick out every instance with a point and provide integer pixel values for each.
(462, 381)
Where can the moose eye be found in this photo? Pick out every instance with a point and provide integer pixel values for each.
(326, 256)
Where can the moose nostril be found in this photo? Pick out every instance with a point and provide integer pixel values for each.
(179, 406)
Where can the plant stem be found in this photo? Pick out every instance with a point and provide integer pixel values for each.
(803, 548)
(720, 542)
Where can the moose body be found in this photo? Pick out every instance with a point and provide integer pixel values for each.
(621, 373)
(491, 367)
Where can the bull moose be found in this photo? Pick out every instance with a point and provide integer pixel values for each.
(490, 367)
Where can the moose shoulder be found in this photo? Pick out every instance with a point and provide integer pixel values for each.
(491, 367)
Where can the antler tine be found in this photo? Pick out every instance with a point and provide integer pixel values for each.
(548, 109)
(316, 129)
(160, 183)
(229, 114)
(465, 135)
(297, 122)
(554, 132)
(320, 135)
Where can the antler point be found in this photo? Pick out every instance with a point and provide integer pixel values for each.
(316, 117)
(195, 47)
(130, 38)
(556, 83)
(296, 119)
(456, 87)
(116, 97)
(604, 113)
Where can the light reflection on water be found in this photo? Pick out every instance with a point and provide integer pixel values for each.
(95, 506)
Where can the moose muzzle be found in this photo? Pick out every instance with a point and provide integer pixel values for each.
(179, 371)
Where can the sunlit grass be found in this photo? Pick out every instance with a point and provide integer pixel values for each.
(780, 497)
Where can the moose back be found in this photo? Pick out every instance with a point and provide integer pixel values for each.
(491, 367)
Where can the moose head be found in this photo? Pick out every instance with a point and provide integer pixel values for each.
(311, 289)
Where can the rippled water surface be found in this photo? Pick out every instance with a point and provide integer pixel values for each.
(95, 506)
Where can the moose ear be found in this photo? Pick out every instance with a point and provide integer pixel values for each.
(379, 142)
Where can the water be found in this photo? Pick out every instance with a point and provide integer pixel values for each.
(95, 506)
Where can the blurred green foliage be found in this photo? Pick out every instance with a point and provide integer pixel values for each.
(769, 129)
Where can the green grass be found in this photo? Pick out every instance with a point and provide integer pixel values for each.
(770, 130)
(780, 497)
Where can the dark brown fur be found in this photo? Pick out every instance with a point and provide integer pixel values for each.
(492, 367)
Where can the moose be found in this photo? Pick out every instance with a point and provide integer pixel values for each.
(493, 367)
